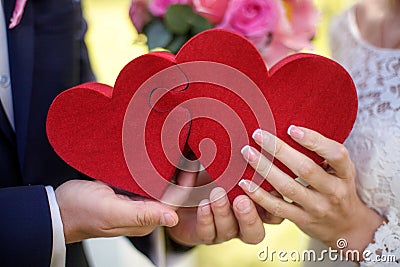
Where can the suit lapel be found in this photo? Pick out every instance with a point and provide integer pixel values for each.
(21, 49)
(5, 126)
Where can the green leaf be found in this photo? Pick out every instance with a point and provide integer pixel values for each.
(199, 24)
(178, 18)
(157, 34)
(177, 43)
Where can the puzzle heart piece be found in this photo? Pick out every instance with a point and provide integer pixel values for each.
(303, 89)
(216, 88)
(84, 125)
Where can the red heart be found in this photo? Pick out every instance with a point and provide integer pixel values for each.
(85, 126)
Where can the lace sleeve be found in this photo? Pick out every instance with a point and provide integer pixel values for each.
(385, 251)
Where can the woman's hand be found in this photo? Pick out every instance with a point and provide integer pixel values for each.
(329, 208)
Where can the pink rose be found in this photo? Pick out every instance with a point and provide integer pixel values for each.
(139, 14)
(252, 17)
(159, 7)
(213, 10)
(293, 33)
(300, 24)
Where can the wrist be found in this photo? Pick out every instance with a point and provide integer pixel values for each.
(70, 223)
(362, 233)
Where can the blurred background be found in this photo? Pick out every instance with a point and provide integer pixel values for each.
(113, 42)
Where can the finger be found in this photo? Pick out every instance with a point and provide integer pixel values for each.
(205, 227)
(282, 182)
(128, 213)
(267, 217)
(335, 153)
(225, 221)
(297, 162)
(177, 194)
(274, 205)
(250, 224)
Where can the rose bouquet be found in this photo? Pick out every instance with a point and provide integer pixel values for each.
(276, 27)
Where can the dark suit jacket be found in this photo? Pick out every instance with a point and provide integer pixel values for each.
(47, 55)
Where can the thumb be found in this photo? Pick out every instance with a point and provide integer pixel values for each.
(146, 213)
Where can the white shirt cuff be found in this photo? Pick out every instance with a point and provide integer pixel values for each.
(158, 253)
(59, 250)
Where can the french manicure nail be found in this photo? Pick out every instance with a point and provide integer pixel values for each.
(260, 137)
(295, 132)
(257, 135)
(247, 185)
(249, 154)
(244, 184)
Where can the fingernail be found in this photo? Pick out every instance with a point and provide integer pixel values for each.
(218, 196)
(205, 207)
(247, 185)
(259, 137)
(168, 220)
(249, 154)
(295, 132)
(244, 205)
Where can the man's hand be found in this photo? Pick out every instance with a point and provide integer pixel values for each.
(215, 220)
(92, 209)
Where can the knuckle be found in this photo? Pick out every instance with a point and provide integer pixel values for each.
(205, 220)
(278, 209)
(288, 189)
(251, 219)
(320, 210)
(223, 212)
(341, 154)
(306, 168)
(314, 141)
(278, 148)
(304, 220)
(144, 218)
(338, 197)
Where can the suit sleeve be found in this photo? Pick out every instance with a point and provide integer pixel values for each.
(25, 227)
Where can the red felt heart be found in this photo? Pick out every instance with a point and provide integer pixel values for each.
(84, 125)
(224, 86)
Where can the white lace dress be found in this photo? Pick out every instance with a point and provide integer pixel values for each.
(374, 143)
